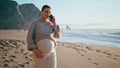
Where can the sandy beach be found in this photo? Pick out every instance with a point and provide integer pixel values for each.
(14, 53)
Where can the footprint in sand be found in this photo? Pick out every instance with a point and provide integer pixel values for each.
(8, 57)
(26, 62)
(89, 59)
(12, 56)
(109, 55)
(106, 53)
(92, 61)
(25, 53)
(88, 48)
(69, 46)
(16, 52)
(12, 60)
(78, 52)
(77, 49)
(117, 55)
(6, 66)
(22, 50)
(83, 50)
(95, 63)
(6, 61)
(82, 55)
(114, 58)
(21, 65)
(23, 42)
(98, 50)
(3, 57)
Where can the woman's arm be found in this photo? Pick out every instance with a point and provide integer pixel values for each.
(31, 42)
(30, 37)
(57, 32)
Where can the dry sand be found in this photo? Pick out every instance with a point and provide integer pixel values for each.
(14, 53)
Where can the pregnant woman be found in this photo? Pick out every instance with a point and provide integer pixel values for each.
(41, 39)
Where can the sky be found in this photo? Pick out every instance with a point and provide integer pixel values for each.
(98, 14)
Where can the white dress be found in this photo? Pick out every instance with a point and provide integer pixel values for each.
(47, 46)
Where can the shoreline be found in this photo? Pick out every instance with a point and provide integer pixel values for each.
(22, 34)
(90, 44)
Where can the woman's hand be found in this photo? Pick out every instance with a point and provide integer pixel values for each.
(38, 53)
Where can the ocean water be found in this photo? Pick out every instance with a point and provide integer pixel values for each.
(107, 37)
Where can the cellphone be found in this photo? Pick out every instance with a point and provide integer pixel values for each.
(50, 17)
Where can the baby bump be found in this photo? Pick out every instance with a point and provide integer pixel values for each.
(46, 46)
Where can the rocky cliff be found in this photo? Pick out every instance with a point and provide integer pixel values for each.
(14, 16)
